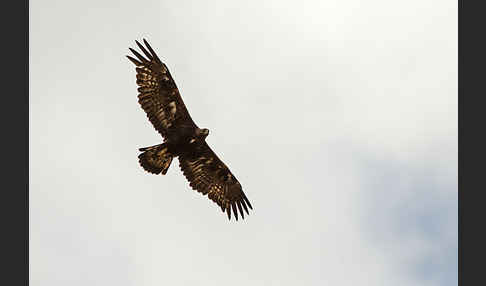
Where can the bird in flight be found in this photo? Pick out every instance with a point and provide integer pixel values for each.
(161, 101)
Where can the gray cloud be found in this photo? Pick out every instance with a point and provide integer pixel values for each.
(414, 215)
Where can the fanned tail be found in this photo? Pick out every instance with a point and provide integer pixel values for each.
(155, 159)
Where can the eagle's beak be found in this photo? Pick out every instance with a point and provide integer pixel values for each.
(202, 132)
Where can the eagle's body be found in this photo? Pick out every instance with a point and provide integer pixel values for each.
(160, 99)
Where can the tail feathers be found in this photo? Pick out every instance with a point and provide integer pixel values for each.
(155, 159)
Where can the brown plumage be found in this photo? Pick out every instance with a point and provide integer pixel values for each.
(161, 101)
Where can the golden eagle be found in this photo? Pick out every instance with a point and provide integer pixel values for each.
(160, 98)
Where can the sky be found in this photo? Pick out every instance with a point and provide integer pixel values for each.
(339, 119)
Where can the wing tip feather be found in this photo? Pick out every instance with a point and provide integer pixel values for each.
(137, 63)
(138, 55)
(151, 51)
(142, 48)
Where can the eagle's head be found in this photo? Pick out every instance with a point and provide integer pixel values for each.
(202, 133)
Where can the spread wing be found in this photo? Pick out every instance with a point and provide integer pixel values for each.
(158, 93)
(207, 174)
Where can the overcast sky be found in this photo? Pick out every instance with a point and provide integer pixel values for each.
(339, 118)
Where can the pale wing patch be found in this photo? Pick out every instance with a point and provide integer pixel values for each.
(173, 108)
